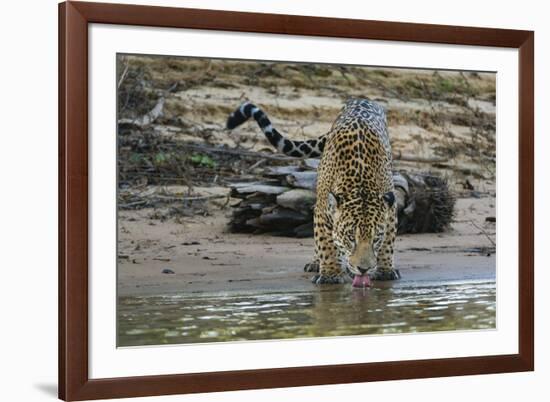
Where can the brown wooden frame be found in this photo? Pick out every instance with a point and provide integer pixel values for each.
(74, 17)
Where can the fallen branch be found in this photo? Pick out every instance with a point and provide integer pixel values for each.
(239, 152)
(130, 205)
(307, 180)
(147, 119)
(483, 232)
(257, 164)
(123, 75)
(154, 200)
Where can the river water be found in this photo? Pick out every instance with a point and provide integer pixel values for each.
(323, 311)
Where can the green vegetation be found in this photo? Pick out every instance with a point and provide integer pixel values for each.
(203, 160)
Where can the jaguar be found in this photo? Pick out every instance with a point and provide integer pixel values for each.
(355, 214)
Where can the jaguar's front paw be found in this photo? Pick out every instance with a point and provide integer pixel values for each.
(384, 274)
(327, 280)
(312, 266)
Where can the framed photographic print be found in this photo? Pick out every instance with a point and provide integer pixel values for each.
(260, 200)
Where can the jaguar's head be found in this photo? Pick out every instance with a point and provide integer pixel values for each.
(359, 224)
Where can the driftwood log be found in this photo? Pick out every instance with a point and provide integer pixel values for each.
(282, 202)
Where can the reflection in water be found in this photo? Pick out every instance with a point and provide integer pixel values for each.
(330, 311)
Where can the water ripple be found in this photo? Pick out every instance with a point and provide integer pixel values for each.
(335, 311)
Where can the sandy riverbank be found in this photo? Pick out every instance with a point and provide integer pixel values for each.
(205, 258)
(444, 118)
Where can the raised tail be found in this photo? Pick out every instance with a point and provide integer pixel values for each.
(299, 149)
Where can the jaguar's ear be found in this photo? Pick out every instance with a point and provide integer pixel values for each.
(333, 202)
(389, 197)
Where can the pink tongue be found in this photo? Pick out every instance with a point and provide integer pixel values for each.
(361, 281)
